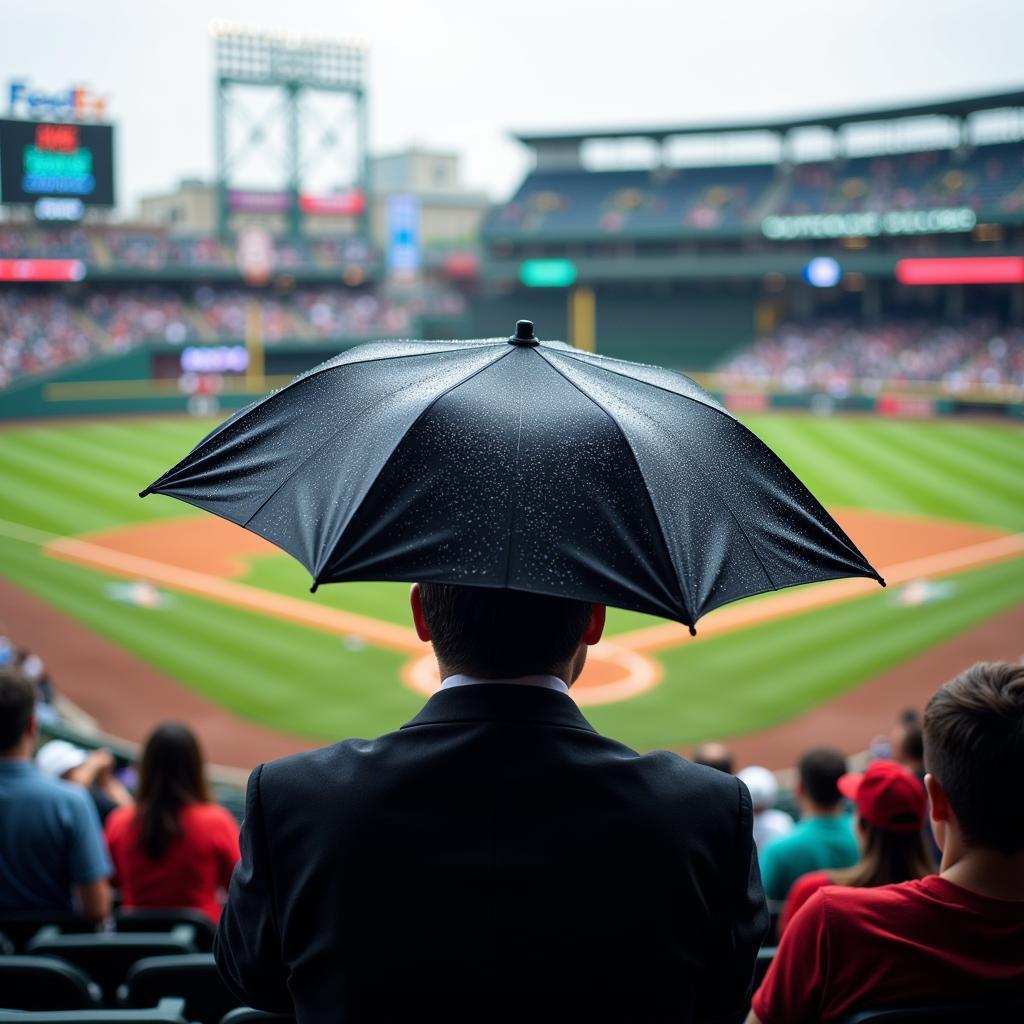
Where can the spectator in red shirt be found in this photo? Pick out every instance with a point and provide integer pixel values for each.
(891, 805)
(955, 936)
(175, 848)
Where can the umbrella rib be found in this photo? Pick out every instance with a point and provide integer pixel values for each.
(334, 433)
(419, 416)
(725, 412)
(650, 498)
(601, 365)
(315, 371)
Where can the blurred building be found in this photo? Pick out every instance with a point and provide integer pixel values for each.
(450, 214)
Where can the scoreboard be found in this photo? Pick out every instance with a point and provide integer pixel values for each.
(46, 160)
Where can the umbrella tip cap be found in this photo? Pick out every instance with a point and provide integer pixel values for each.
(524, 334)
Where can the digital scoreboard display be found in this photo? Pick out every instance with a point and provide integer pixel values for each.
(56, 160)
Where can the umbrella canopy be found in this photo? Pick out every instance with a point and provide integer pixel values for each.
(520, 464)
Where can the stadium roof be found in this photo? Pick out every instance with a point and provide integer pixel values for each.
(960, 107)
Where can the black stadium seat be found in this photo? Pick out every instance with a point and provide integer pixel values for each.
(247, 1015)
(153, 919)
(106, 956)
(44, 983)
(170, 1011)
(1001, 1011)
(192, 977)
(20, 926)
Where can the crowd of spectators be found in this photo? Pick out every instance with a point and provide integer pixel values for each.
(43, 330)
(71, 833)
(986, 177)
(151, 249)
(841, 358)
(75, 824)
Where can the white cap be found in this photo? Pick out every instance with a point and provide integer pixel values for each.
(58, 756)
(763, 786)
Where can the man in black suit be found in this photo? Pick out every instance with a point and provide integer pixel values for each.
(495, 858)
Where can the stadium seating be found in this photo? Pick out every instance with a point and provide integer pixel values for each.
(107, 956)
(661, 201)
(18, 927)
(839, 357)
(967, 1012)
(40, 331)
(169, 1011)
(45, 983)
(155, 919)
(192, 977)
(246, 1015)
(675, 200)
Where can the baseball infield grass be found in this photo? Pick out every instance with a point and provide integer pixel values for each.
(74, 479)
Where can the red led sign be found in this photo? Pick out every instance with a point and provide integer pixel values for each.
(41, 270)
(962, 270)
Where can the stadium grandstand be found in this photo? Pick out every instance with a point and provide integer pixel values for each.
(725, 250)
(844, 223)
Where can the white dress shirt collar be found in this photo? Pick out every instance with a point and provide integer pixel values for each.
(545, 682)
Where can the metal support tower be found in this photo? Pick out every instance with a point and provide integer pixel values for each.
(291, 140)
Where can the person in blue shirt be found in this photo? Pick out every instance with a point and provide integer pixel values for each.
(52, 853)
(824, 836)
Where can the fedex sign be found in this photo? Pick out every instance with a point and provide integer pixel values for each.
(76, 103)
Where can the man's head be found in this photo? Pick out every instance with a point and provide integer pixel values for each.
(819, 772)
(907, 740)
(17, 712)
(974, 754)
(714, 755)
(503, 634)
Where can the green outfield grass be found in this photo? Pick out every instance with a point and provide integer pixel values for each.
(74, 479)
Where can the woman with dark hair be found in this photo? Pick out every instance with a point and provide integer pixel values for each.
(175, 848)
(891, 805)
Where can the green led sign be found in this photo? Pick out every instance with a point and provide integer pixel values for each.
(547, 273)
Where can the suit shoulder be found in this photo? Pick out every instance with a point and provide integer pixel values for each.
(676, 775)
(313, 767)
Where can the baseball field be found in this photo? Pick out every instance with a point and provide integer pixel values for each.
(938, 506)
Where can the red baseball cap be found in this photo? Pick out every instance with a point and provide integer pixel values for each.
(887, 796)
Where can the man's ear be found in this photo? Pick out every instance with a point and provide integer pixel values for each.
(416, 601)
(941, 811)
(595, 627)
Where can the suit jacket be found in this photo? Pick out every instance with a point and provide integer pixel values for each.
(494, 859)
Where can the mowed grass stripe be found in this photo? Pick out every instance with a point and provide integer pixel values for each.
(74, 491)
(285, 676)
(131, 458)
(918, 487)
(839, 474)
(1004, 441)
(993, 487)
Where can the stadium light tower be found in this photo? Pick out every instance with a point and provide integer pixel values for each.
(316, 121)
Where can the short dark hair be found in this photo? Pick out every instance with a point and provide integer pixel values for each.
(974, 746)
(17, 705)
(501, 634)
(819, 771)
(912, 741)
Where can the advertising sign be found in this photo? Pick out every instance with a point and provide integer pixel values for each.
(48, 159)
(403, 234)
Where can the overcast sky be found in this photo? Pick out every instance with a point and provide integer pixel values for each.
(460, 74)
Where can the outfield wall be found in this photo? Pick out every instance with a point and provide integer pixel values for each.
(128, 383)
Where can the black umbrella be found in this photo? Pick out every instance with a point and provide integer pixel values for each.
(520, 464)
